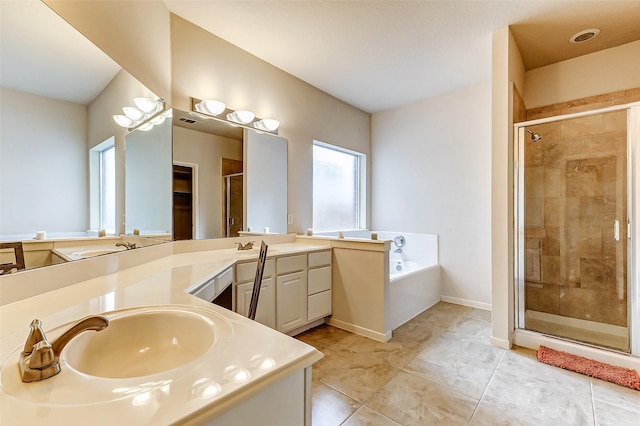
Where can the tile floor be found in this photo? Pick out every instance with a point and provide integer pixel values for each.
(440, 368)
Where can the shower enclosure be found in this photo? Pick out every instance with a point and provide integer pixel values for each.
(575, 275)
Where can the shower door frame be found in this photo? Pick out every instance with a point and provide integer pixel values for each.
(633, 216)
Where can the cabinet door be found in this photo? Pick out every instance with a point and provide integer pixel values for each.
(291, 300)
(266, 313)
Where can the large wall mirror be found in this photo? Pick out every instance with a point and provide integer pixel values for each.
(58, 93)
(189, 178)
(226, 179)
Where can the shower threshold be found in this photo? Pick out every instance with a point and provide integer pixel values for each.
(595, 333)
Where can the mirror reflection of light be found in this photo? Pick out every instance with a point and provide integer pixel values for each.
(143, 350)
(174, 341)
(108, 302)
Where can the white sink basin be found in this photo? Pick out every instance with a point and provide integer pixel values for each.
(141, 343)
(96, 251)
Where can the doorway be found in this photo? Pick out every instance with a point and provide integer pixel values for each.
(573, 239)
(183, 197)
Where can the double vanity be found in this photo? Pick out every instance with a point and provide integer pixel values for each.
(169, 355)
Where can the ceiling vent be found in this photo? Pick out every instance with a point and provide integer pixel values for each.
(584, 35)
(187, 120)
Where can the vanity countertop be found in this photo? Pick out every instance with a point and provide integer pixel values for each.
(174, 395)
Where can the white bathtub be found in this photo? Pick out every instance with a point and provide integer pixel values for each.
(414, 277)
(414, 274)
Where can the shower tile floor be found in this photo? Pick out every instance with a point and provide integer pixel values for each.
(440, 368)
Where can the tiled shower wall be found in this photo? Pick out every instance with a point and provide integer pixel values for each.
(575, 186)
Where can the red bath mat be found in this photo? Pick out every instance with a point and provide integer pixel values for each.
(618, 375)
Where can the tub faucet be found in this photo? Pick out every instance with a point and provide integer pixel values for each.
(39, 359)
(126, 244)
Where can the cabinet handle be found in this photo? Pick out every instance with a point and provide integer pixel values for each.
(616, 230)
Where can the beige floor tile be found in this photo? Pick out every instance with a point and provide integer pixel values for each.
(392, 353)
(358, 375)
(328, 337)
(615, 404)
(330, 407)
(472, 328)
(479, 314)
(490, 415)
(465, 364)
(443, 313)
(527, 391)
(366, 416)
(411, 400)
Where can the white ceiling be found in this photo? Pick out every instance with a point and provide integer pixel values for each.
(42, 54)
(378, 55)
(375, 55)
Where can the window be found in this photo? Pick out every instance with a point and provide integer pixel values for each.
(103, 186)
(338, 188)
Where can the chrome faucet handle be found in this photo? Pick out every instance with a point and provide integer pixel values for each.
(42, 356)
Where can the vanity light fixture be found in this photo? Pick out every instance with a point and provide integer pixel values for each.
(147, 114)
(267, 124)
(210, 109)
(241, 116)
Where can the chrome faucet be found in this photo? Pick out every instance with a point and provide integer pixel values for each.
(39, 359)
(126, 244)
(247, 246)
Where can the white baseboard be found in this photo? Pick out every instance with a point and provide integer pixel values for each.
(466, 302)
(375, 335)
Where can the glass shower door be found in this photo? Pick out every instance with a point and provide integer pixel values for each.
(573, 224)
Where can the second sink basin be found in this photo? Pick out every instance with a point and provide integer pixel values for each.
(141, 343)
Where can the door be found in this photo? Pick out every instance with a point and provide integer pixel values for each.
(573, 251)
(233, 204)
(266, 312)
(291, 300)
(182, 202)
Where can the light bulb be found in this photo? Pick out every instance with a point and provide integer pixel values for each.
(212, 107)
(147, 105)
(133, 113)
(267, 124)
(123, 120)
(241, 116)
(158, 120)
(146, 127)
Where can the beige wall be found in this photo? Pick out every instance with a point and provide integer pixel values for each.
(431, 174)
(43, 164)
(606, 71)
(507, 70)
(205, 66)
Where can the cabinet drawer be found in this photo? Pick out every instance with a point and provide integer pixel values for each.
(224, 279)
(319, 305)
(290, 264)
(206, 291)
(319, 280)
(247, 271)
(320, 258)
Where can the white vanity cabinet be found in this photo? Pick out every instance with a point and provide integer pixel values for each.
(295, 292)
(291, 292)
(319, 285)
(245, 274)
